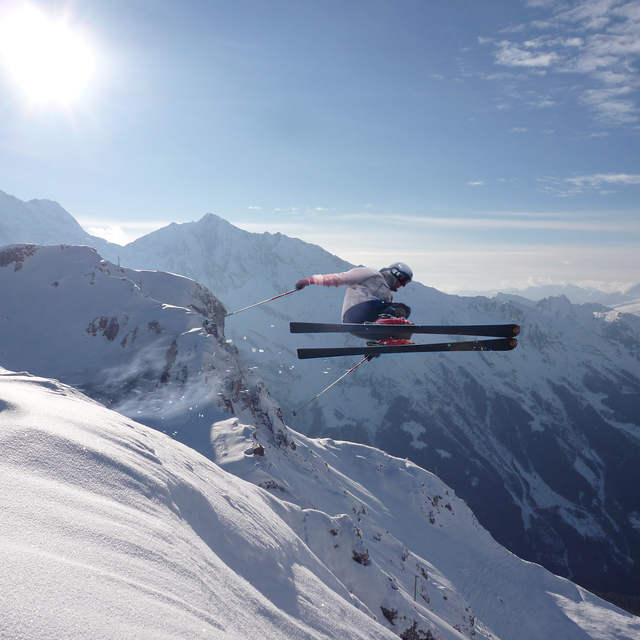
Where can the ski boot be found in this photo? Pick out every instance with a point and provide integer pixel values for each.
(391, 339)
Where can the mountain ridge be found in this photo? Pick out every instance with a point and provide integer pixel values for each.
(627, 300)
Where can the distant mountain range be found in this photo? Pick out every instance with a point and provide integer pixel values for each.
(543, 443)
(627, 300)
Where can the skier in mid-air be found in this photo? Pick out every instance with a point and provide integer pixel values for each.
(369, 312)
(384, 324)
(370, 293)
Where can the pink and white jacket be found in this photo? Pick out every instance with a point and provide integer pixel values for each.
(364, 284)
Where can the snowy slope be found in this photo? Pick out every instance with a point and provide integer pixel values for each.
(112, 530)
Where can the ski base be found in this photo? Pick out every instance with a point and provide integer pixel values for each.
(501, 344)
(381, 330)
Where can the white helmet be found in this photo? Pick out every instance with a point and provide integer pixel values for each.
(400, 271)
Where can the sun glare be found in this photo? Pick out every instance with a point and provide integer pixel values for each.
(47, 59)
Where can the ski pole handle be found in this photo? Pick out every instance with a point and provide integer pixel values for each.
(263, 302)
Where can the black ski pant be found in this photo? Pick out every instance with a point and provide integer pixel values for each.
(371, 310)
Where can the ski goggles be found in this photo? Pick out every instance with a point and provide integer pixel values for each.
(402, 278)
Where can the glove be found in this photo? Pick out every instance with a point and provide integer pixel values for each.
(305, 282)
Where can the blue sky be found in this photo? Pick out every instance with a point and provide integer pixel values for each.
(488, 143)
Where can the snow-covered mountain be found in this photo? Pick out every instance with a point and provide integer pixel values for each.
(112, 530)
(147, 344)
(42, 222)
(626, 301)
(541, 442)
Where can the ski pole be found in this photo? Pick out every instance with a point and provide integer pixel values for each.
(331, 385)
(259, 303)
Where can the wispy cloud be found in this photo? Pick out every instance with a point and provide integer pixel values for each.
(612, 105)
(598, 179)
(599, 39)
(540, 3)
(510, 220)
(600, 182)
(112, 233)
(510, 54)
(500, 220)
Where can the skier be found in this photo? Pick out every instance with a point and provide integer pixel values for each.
(369, 295)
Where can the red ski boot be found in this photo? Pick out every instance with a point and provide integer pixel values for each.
(392, 339)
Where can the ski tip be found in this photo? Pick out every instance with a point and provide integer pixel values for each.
(516, 331)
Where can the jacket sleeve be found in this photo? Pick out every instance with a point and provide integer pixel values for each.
(354, 276)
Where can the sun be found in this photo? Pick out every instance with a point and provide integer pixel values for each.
(47, 59)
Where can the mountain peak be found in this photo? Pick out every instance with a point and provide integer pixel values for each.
(558, 306)
(42, 222)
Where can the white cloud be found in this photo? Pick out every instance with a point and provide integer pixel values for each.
(611, 105)
(599, 39)
(589, 15)
(513, 55)
(604, 178)
(111, 234)
(120, 232)
(560, 221)
(601, 183)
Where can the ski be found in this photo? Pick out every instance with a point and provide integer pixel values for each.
(499, 344)
(380, 330)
